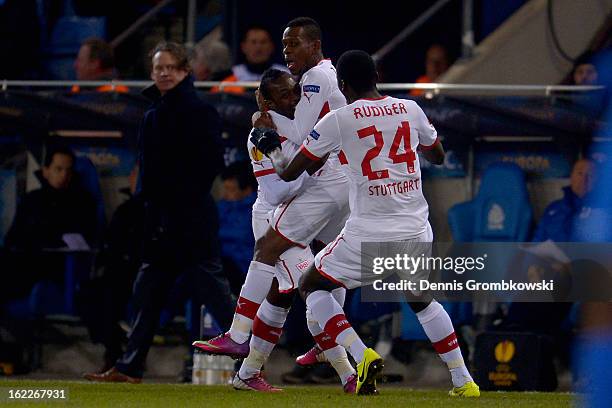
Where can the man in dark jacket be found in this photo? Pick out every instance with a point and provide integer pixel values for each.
(559, 217)
(43, 216)
(179, 159)
(557, 224)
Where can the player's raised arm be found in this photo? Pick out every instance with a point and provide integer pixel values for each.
(268, 142)
(274, 189)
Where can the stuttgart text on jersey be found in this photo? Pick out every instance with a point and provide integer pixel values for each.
(389, 189)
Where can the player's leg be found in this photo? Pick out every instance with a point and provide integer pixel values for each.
(437, 323)
(326, 350)
(317, 289)
(254, 290)
(439, 329)
(293, 263)
(267, 329)
(337, 354)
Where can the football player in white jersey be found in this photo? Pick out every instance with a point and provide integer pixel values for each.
(318, 211)
(380, 136)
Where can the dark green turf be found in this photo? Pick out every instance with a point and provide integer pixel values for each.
(82, 394)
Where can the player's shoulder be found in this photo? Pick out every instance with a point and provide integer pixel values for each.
(410, 104)
(317, 75)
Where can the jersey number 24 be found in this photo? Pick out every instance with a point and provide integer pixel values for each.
(401, 136)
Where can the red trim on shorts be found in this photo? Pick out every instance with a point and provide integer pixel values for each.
(246, 307)
(338, 239)
(324, 341)
(261, 173)
(307, 153)
(320, 267)
(325, 110)
(431, 146)
(342, 157)
(287, 239)
(326, 276)
(336, 325)
(266, 332)
(449, 343)
(290, 277)
(275, 228)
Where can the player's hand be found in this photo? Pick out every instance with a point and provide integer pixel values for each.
(266, 140)
(264, 121)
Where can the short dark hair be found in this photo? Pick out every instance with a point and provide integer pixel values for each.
(256, 27)
(312, 29)
(102, 51)
(178, 51)
(242, 172)
(57, 148)
(358, 70)
(269, 77)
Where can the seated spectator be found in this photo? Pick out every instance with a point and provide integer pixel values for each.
(96, 62)
(558, 218)
(436, 63)
(45, 215)
(258, 48)
(235, 231)
(557, 224)
(584, 71)
(212, 61)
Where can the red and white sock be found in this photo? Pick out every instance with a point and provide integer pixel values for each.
(439, 328)
(267, 329)
(330, 316)
(335, 354)
(253, 292)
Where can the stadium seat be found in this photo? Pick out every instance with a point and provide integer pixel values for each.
(500, 212)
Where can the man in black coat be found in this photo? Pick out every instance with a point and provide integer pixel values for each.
(180, 157)
(42, 219)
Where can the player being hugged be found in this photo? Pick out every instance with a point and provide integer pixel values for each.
(379, 136)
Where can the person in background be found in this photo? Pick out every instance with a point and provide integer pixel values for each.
(557, 224)
(212, 61)
(559, 216)
(258, 48)
(44, 216)
(436, 63)
(235, 232)
(179, 156)
(96, 62)
(594, 353)
(584, 71)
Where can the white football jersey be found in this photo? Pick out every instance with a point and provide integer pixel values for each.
(380, 138)
(262, 167)
(320, 95)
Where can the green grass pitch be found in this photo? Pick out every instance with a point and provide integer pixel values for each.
(81, 394)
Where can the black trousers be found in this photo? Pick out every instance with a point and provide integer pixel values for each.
(153, 284)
